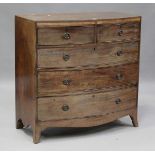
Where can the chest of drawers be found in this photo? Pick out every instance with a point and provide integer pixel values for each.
(76, 70)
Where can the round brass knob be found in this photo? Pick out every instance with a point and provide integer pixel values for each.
(119, 76)
(118, 101)
(66, 57)
(65, 107)
(119, 53)
(67, 82)
(120, 32)
(66, 36)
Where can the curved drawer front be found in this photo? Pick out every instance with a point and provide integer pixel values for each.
(118, 32)
(84, 106)
(80, 81)
(103, 55)
(66, 35)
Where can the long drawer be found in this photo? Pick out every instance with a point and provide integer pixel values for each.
(70, 82)
(66, 35)
(103, 55)
(84, 106)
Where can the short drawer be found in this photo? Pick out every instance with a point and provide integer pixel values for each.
(84, 106)
(118, 32)
(66, 35)
(79, 81)
(104, 55)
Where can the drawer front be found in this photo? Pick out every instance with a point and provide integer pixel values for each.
(66, 35)
(84, 106)
(105, 55)
(79, 81)
(118, 32)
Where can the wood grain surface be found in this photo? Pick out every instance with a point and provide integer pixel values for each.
(51, 83)
(88, 121)
(118, 32)
(80, 106)
(55, 36)
(25, 64)
(82, 16)
(76, 70)
(87, 56)
(44, 24)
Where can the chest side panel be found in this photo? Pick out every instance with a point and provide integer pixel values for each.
(25, 65)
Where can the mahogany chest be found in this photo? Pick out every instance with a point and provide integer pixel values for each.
(76, 70)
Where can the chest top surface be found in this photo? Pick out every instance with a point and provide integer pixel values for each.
(85, 16)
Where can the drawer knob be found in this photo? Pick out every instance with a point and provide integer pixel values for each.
(65, 107)
(66, 36)
(67, 82)
(119, 53)
(66, 57)
(120, 32)
(119, 76)
(118, 101)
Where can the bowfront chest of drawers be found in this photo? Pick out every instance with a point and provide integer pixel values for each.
(76, 70)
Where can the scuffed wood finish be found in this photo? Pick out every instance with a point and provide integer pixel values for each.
(51, 83)
(118, 32)
(88, 56)
(64, 24)
(76, 70)
(55, 36)
(25, 63)
(119, 20)
(36, 132)
(134, 118)
(81, 106)
(25, 73)
(91, 22)
(87, 121)
(82, 17)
